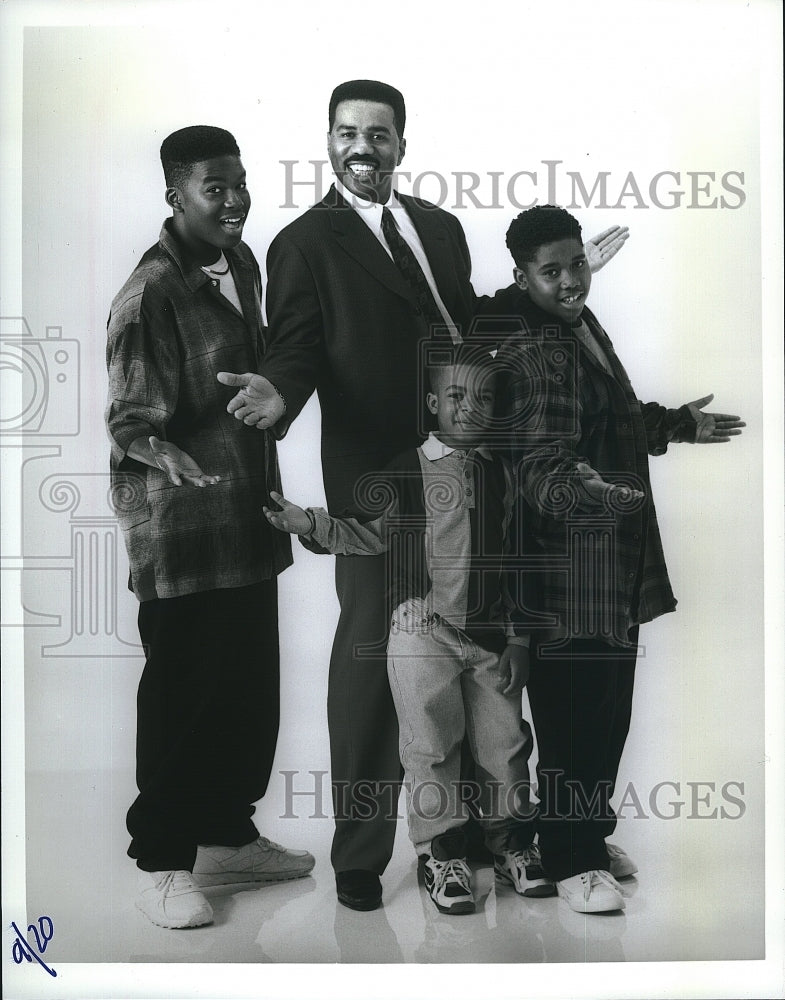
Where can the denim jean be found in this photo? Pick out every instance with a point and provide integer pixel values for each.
(446, 687)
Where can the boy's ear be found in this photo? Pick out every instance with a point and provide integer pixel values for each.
(432, 402)
(520, 278)
(172, 198)
(401, 150)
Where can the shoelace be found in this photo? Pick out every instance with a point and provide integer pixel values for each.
(597, 877)
(455, 869)
(531, 855)
(271, 845)
(176, 882)
(527, 858)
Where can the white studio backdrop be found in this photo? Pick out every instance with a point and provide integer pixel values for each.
(662, 100)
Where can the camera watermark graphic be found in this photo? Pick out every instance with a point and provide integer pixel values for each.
(40, 381)
(549, 182)
(63, 550)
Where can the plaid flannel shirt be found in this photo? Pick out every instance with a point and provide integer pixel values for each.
(587, 569)
(170, 332)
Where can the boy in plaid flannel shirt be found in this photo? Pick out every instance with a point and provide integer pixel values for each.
(588, 542)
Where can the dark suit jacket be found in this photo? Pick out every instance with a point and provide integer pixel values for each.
(343, 321)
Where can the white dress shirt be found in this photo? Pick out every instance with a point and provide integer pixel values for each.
(371, 214)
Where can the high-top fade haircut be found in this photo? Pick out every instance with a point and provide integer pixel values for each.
(537, 226)
(186, 146)
(370, 90)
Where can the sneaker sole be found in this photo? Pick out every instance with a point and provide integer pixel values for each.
(215, 879)
(206, 918)
(537, 890)
(457, 909)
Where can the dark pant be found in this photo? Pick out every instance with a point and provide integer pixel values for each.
(366, 769)
(207, 721)
(581, 701)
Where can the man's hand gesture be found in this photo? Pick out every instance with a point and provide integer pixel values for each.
(713, 428)
(258, 403)
(603, 247)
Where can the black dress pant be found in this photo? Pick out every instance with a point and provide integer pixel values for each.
(366, 768)
(207, 721)
(581, 701)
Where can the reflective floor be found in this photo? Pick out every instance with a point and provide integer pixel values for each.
(677, 908)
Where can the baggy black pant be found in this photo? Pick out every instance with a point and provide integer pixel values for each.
(581, 702)
(207, 721)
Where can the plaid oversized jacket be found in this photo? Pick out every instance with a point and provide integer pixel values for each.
(586, 569)
(170, 333)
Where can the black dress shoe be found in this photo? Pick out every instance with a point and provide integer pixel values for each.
(358, 889)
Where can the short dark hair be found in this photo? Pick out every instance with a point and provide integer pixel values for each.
(370, 90)
(186, 146)
(475, 356)
(537, 226)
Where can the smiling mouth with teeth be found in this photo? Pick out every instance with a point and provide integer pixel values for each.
(235, 221)
(362, 168)
(570, 300)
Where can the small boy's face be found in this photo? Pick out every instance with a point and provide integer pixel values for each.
(211, 205)
(463, 402)
(558, 279)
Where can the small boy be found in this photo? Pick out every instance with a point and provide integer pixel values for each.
(203, 559)
(455, 667)
(580, 440)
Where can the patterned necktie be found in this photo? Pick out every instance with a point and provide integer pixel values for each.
(410, 268)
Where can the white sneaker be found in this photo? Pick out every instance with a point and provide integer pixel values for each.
(592, 892)
(260, 861)
(170, 899)
(448, 884)
(621, 864)
(523, 871)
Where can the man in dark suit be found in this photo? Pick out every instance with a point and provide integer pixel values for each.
(355, 285)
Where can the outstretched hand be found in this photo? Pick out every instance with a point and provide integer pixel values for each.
(713, 428)
(258, 403)
(178, 465)
(289, 518)
(604, 247)
(603, 491)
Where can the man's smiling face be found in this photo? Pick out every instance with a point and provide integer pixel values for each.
(364, 148)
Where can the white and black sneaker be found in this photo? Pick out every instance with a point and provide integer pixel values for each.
(448, 884)
(523, 871)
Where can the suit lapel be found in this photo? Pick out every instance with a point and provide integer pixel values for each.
(354, 236)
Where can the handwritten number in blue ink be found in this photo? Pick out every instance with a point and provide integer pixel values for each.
(42, 937)
(21, 950)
